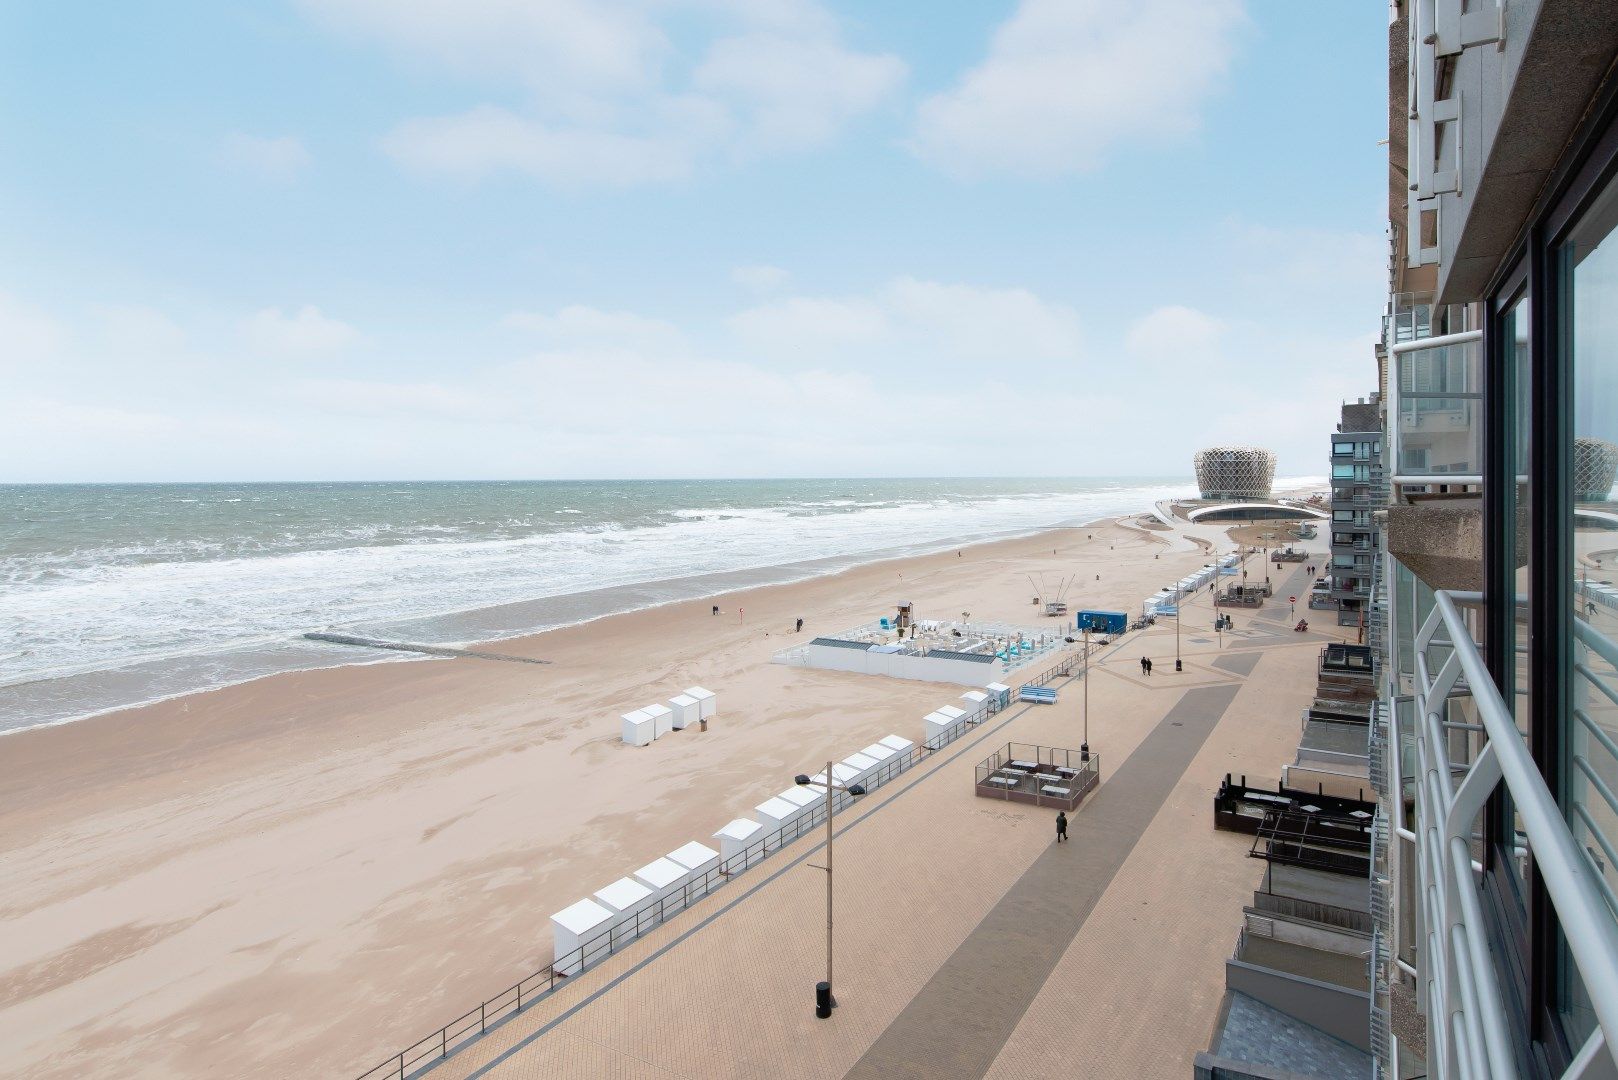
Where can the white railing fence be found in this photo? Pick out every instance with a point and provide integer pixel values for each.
(1469, 1030)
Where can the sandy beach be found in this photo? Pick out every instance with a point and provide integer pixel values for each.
(300, 874)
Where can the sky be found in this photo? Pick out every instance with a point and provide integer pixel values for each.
(487, 239)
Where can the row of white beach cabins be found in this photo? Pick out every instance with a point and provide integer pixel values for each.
(1167, 601)
(603, 923)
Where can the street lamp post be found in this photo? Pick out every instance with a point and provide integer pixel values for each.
(824, 1001)
(1179, 599)
(1084, 747)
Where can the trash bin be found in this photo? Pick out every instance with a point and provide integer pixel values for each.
(823, 1001)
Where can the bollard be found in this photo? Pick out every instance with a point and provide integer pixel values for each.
(823, 1000)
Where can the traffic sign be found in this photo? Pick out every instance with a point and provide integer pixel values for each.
(1292, 599)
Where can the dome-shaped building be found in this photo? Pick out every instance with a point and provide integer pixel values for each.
(1234, 472)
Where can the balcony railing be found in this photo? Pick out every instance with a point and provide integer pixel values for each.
(1469, 1029)
(1436, 413)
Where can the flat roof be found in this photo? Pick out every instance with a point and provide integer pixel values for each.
(694, 855)
(582, 917)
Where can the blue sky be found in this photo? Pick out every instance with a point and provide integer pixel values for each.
(331, 239)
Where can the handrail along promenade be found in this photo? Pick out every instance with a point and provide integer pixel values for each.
(420, 1055)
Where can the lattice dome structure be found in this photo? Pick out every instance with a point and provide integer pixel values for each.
(1595, 467)
(1234, 472)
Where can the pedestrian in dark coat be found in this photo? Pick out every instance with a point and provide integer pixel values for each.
(1061, 826)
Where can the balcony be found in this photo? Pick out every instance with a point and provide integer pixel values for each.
(1453, 777)
(1437, 410)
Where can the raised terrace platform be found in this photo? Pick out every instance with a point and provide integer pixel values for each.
(965, 653)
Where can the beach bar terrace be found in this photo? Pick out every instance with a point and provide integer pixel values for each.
(967, 653)
(1041, 775)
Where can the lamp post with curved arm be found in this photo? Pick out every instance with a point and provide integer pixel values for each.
(825, 1003)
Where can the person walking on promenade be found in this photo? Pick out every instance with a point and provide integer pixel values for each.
(1143, 665)
(1061, 826)
(799, 630)
(1148, 665)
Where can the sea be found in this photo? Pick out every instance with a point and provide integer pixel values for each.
(120, 594)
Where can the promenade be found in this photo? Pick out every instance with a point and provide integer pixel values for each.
(968, 943)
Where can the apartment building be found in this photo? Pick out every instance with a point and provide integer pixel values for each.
(1492, 612)
(1356, 488)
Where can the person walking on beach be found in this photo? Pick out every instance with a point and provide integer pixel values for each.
(1061, 826)
(1148, 665)
(799, 630)
(1143, 665)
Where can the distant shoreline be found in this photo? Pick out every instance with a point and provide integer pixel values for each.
(707, 587)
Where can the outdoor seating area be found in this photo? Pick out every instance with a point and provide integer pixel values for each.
(1240, 807)
(1244, 596)
(1049, 776)
(930, 650)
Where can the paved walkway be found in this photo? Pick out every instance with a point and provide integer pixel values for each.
(960, 1021)
(1104, 957)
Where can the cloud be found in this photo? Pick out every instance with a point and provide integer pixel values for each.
(760, 279)
(489, 139)
(1066, 81)
(279, 158)
(27, 335)
(1175, 333)
(807, 323)
(606, 98)
(372, 397)
(135, 328)
(796, 92)
(304, 332)
(927, 320)
(578, 324)
(979, 323)
(555, 47)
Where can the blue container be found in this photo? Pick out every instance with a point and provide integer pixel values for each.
(1102, 622)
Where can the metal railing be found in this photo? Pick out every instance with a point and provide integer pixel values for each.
(421, 1054)
(1468, 1027)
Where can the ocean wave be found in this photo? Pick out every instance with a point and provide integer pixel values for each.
(143, 601)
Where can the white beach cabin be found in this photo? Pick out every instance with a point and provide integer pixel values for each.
(843, 774)
(575, 926)
(896, 744)
(662, 719)
(935, 727)
(639, 728)
(863, 765)
(734, 840)
(666, 878)
(700, 861)
(685, 709)
(975, 700)
(625, 898)
(999, 691)
(776, 814)
(806, 799)
(707, 704)
(954, 712)
(880, 754)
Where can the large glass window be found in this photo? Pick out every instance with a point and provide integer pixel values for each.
(1589, 517)
(1515, 582)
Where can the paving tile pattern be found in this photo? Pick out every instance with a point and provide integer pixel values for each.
(956, 1026)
